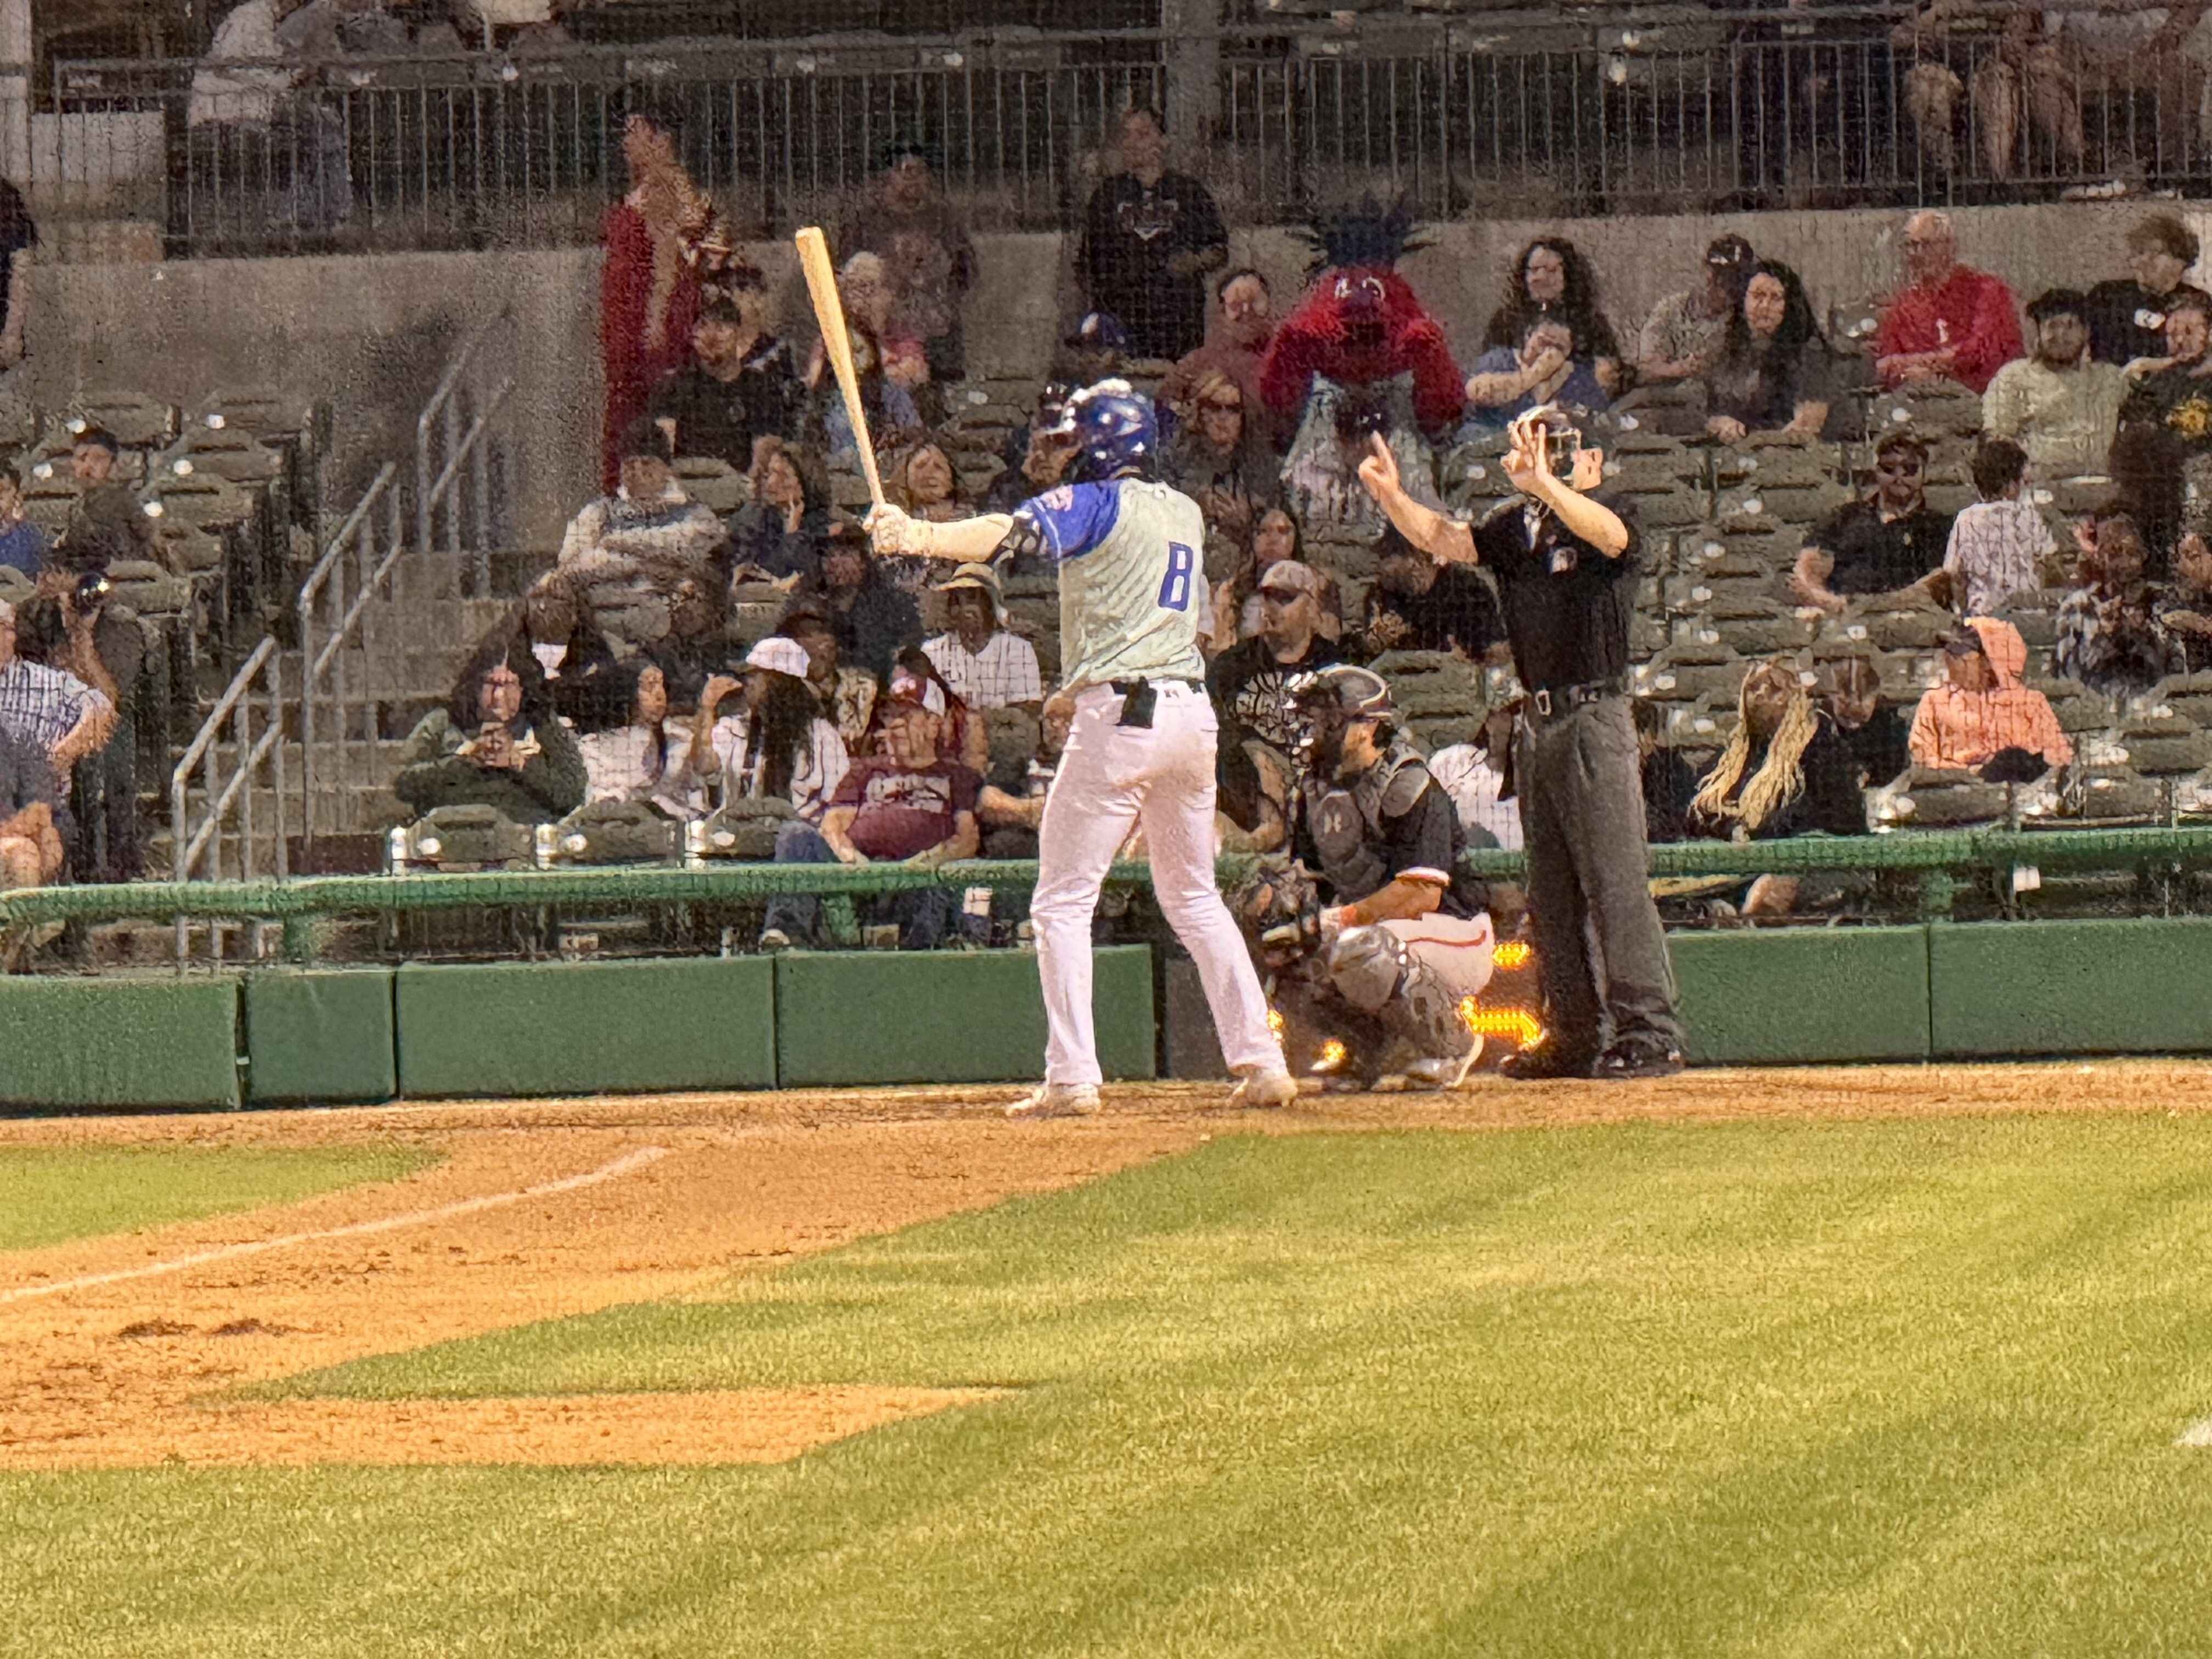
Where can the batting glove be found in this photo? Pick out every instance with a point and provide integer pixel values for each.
(893, 531)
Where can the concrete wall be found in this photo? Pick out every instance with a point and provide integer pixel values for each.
(373, 332)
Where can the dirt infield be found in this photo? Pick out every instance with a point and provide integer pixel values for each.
(120, 1351)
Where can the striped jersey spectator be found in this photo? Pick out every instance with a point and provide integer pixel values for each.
(984, 666)
(1997, 546)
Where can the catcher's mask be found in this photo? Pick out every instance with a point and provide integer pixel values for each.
(1326, 701)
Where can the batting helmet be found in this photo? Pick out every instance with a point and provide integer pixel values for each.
(1114, 427)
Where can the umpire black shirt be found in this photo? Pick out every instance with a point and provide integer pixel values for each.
(1566, 603)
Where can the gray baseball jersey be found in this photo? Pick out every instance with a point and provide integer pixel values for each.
(1132, 593)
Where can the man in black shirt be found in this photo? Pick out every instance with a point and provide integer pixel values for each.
(1416, 605)
(1247, 681)
(2127, 315)
(740, 385)
(872, 618)
(1891, 540)
(1401, 940)
(1564, 563)
(1149, 238)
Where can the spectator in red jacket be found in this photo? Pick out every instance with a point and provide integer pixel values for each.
(1949, 322)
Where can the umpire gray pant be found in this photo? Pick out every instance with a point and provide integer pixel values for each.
(1599, 945)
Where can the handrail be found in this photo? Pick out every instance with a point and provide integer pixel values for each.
(188, 844)
(212, 823)
(348, 537)
(344, 535)
(438, 399)
(209, 727)
(1905, 850)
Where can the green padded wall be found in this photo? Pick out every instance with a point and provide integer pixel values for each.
(2057, 987)
(1803, 995)
(866, 1016)
(314, 1038)
(90, 1043)
(586, 1027)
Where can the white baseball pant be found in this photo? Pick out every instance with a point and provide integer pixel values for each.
(1111, 778)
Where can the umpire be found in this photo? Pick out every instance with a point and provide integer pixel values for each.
(1563, 561)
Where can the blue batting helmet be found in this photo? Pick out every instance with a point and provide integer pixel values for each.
(1113, 427)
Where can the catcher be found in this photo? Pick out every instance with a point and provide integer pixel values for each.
(1372, 939)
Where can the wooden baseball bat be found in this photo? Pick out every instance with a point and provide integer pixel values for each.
(837, 341)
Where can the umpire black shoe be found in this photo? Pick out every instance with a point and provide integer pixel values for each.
(1544, 1062)
(1638, 1057)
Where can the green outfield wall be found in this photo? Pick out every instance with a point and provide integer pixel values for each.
(311, 1036)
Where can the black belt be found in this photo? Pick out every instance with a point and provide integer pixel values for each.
(1138, 698)
(1563, 699)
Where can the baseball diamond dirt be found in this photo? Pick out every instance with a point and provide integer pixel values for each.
(134, 1349)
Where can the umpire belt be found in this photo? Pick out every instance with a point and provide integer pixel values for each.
(1557, 700)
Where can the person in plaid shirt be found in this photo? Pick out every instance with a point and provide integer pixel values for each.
(985, 666)
(46, 710)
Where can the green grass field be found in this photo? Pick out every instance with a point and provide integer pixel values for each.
(1754, 1389)
(49, 1194)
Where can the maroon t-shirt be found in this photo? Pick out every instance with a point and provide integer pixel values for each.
(903, 811)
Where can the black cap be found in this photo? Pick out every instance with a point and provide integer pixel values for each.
(1729, 250)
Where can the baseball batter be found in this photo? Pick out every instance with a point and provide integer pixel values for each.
(1132, 599)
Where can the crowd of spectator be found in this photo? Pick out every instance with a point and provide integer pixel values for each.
(689, 659)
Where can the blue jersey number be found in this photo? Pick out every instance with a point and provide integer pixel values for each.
(1174, 586)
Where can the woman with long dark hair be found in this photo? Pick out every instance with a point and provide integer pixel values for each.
(636, 758)
(496, 743)
(779, 532)
(776, 745)
(1550, 279)
(1775, 371)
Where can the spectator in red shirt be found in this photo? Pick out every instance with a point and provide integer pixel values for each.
(1950, 321)
(902, 803)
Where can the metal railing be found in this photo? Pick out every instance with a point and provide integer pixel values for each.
(1946, 853)
(329, 704)
(336, 690)
(452, 434)
(227, 757)
(1563, 111)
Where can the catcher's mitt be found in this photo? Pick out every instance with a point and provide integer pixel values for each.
(1279, 907)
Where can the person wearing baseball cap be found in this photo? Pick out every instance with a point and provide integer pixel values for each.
(1247, 681)
(777, 744)
(1565, 565)
(986, 665)
(1685, 329)
(902, 802)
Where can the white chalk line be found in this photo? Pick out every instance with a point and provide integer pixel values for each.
(2198, 1433)
(621, 1166)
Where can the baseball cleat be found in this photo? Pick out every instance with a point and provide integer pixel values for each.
(1057, 1100)
(1268, 1088)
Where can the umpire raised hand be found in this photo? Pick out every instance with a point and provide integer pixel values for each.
(1563, 560)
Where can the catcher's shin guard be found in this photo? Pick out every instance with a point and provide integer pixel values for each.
(1371, 968)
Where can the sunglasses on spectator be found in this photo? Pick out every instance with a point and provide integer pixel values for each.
(1896, 463)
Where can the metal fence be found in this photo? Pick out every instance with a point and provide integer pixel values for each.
(1764, 110)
